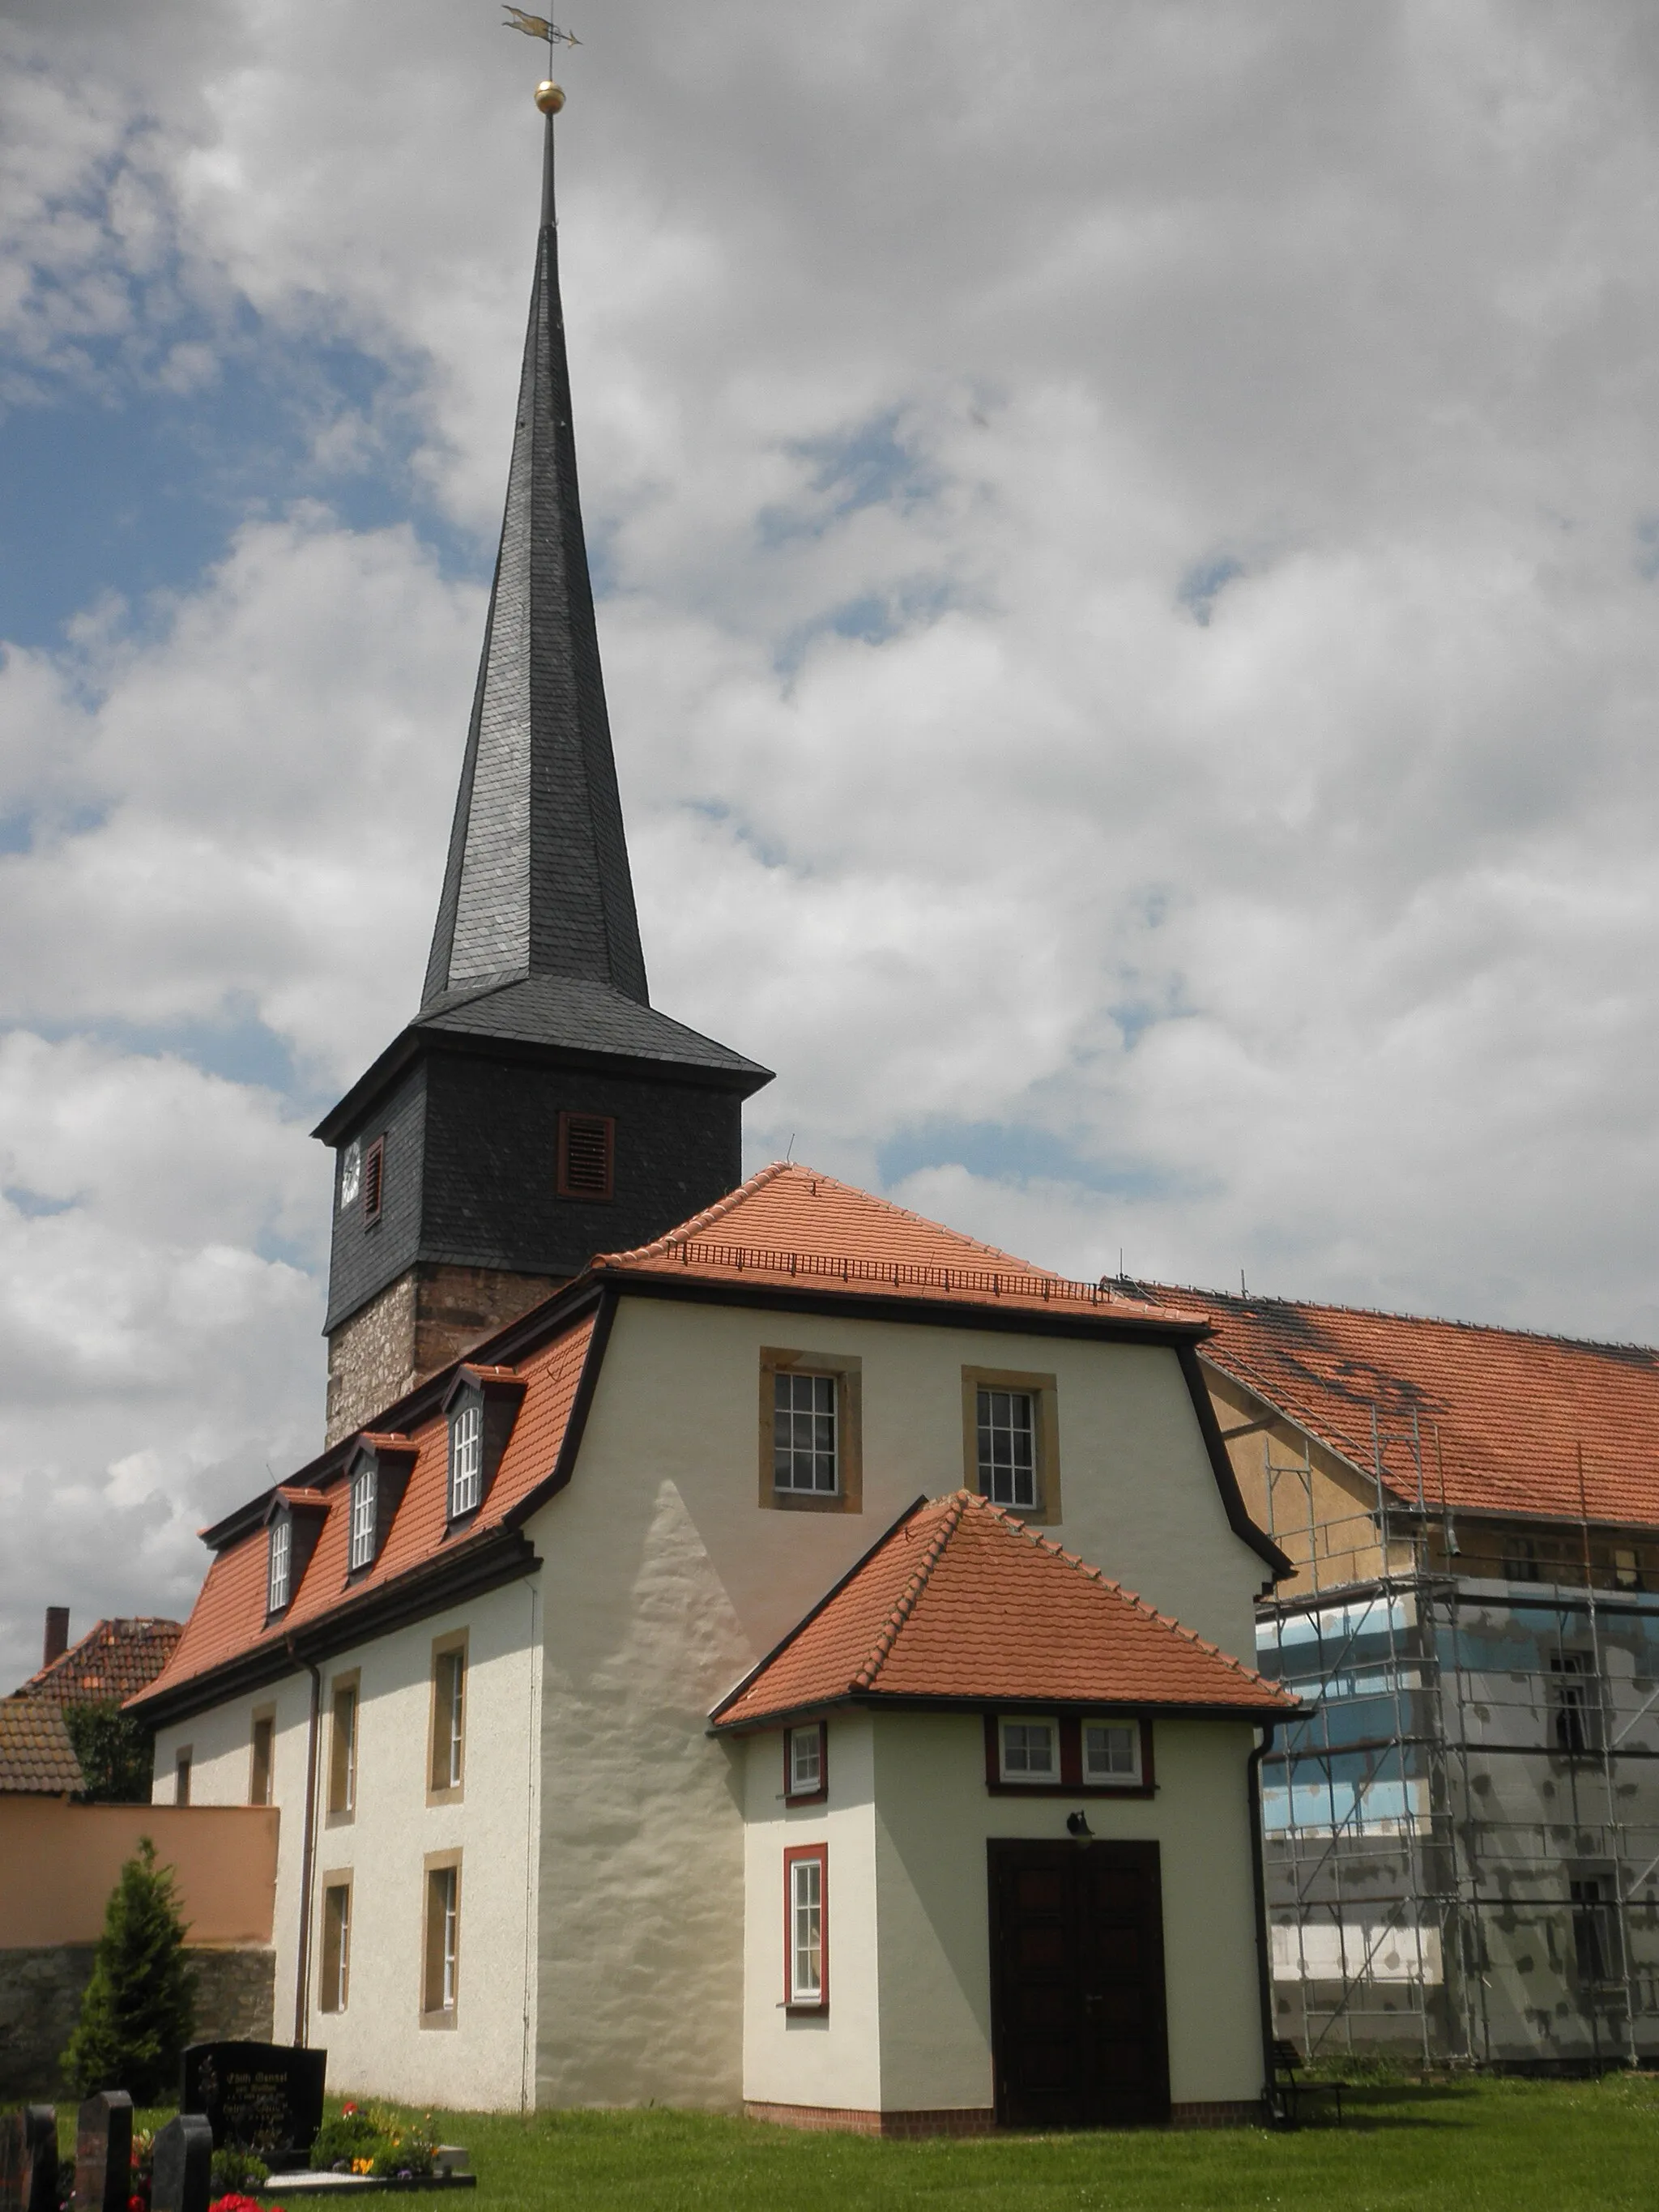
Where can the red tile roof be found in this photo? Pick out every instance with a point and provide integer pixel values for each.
(791, 1226)
(962, 1602)
(36, 1755)
(228, 1621)
(787, 1227)
(112, 1661)
(1502, 1415)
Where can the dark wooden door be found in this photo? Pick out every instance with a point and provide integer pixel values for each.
(1076, 1985)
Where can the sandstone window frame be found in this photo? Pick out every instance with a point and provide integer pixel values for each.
(446, 1718)
(184, 1758)
(344, 1746)
(262, 1755)
(440, 1938)
(1043, 1390)
(334, 1957)
(846, 1370)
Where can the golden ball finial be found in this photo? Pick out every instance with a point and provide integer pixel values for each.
(550, 97)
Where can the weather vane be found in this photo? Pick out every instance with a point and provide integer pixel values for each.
(550, 97)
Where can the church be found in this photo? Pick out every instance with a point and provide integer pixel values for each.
(741, 1645)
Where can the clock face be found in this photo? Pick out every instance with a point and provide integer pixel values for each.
(351, 1173)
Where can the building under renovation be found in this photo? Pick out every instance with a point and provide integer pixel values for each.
(1462, 1834)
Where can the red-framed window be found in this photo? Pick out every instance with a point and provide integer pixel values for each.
(806, 1764)
(806, 1928)
(1069, 1755)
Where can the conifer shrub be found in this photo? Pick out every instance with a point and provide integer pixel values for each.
(139, 2009)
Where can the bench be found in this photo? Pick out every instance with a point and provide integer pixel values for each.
(1290, 2091)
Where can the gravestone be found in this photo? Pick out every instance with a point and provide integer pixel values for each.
(181, 2171)
(262, 2097)
(28, 2159)
(40, 2148)
(14, 2162)
(103, 2153)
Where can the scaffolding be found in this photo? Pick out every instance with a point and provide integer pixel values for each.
(1461, 1833)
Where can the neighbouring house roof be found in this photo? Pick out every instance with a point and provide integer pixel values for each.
(961, 1602)
(1502, 1415)
(36, 1756)
(229, 1623)
(111, 1661)
(791, 1227)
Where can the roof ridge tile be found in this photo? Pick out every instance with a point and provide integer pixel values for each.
(659, 1246)
(949, 1522)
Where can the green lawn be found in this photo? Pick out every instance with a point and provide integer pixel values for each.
(1510, 2146)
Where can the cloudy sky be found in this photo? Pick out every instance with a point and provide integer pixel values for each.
(1128, 544)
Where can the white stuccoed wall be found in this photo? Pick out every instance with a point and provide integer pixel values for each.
(377, 2046)
(662, 1581)
(933, 1817)
(908, 2027)
(665, 1581)
(837, 2057)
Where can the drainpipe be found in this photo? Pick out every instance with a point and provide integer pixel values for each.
(302, 1973)
(1263, 1950)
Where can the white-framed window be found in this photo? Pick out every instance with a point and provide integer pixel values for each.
(1029, 1750)
(279, 1563)
(451, 1884)
(805, 1455)
(1007, 1447)
(448, 1717)
(343, 1749)
(466, 1456)
(806, 1909)
(443, 1929)
(334, 1979)
(1111, 1752)
(363, 1517)
(803, 1769)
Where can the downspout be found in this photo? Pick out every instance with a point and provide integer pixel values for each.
(1263, 1950)
(302, 1971)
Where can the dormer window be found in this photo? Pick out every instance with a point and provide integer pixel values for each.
(362, 1516)
(293, 1522)
(378, 1475)
(481, 1404)
(279, 1564)
(466, 1456)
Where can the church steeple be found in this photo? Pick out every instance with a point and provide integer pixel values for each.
(538, 1108)
(538, 881)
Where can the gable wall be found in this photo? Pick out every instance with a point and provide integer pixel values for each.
(1323, 1516)
(665, 1581)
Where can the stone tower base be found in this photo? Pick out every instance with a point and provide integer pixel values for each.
(429, 1316)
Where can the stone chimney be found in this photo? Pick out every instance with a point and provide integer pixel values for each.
(57, 1643)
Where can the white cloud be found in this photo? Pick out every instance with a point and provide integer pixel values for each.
(1132, 644)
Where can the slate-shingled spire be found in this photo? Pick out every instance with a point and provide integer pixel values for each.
(538, 1109)
(538, 881)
